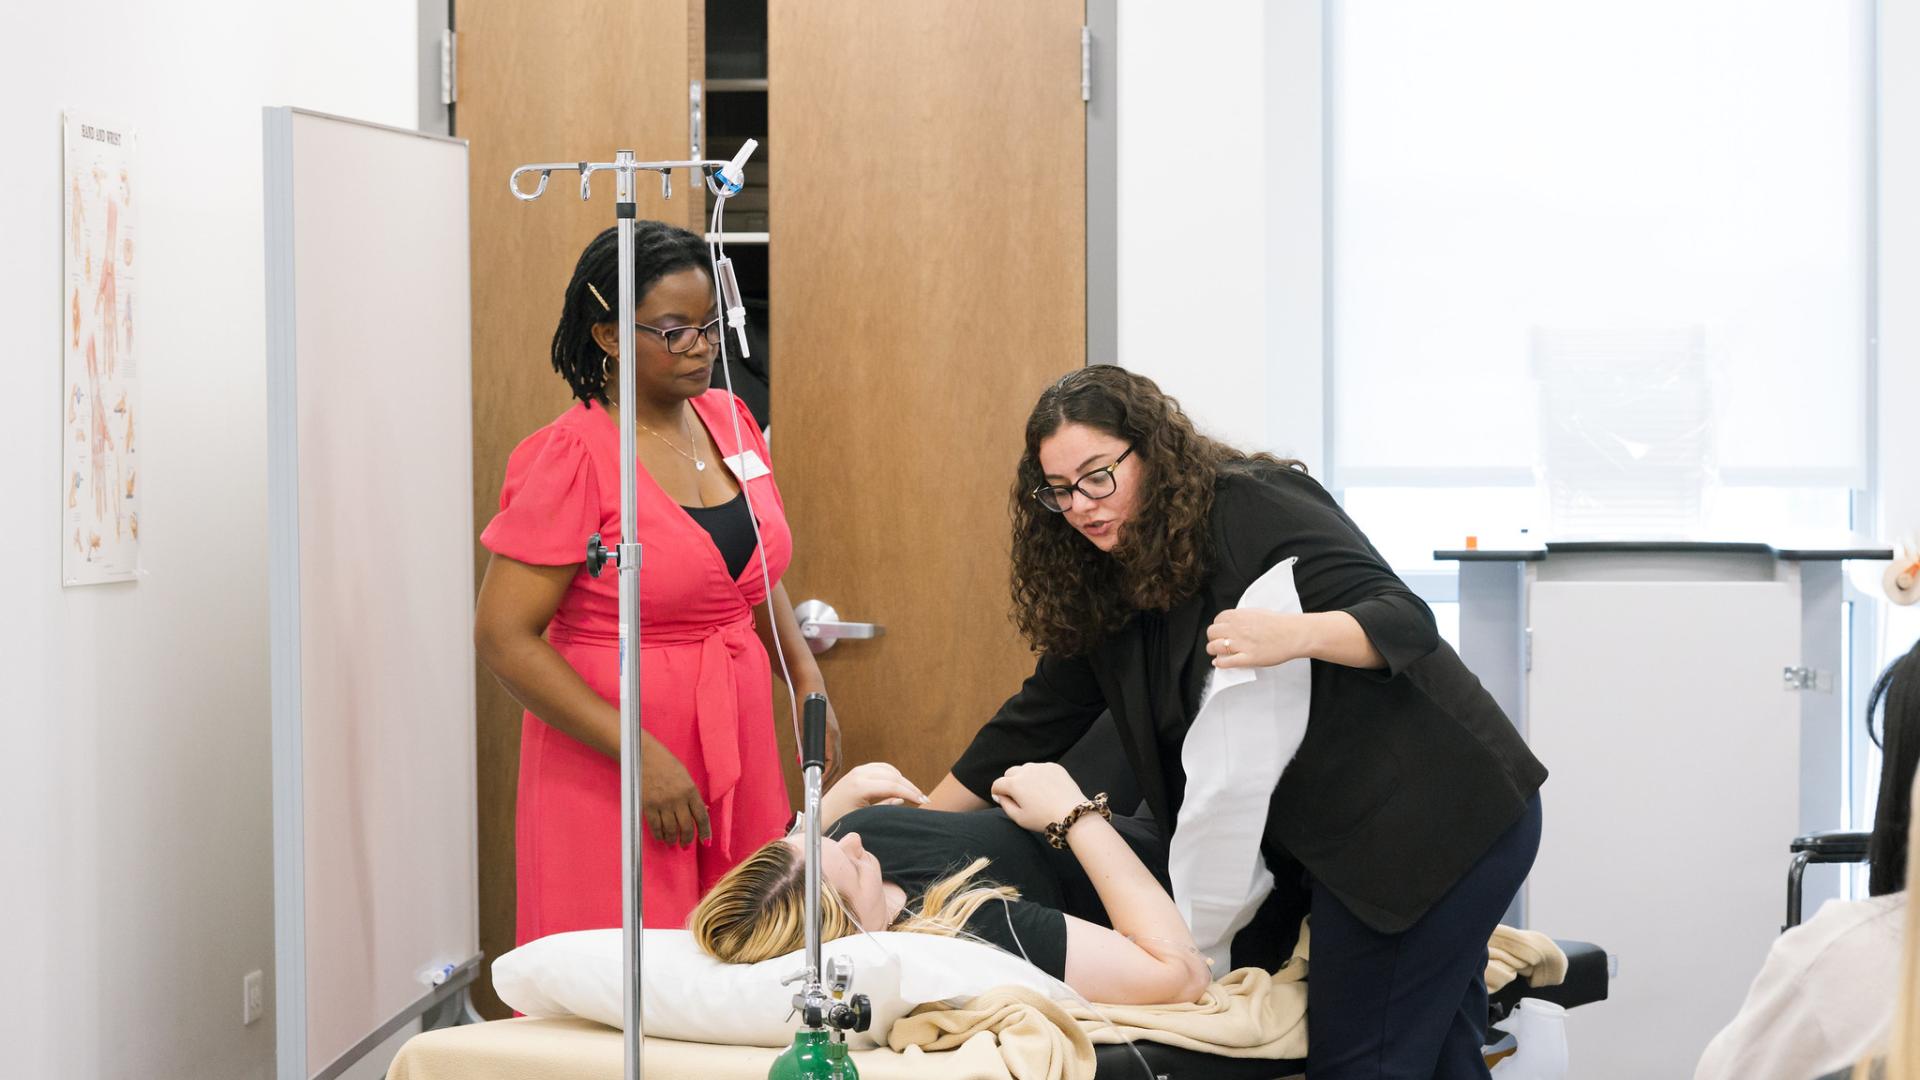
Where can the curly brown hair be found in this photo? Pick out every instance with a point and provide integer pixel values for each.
(1068, 595)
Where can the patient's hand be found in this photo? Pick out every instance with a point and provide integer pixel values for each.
(1037, 794)
(866, 785)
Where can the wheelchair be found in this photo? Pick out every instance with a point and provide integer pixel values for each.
(1814, 848)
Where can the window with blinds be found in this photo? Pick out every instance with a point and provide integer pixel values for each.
(1598, 269)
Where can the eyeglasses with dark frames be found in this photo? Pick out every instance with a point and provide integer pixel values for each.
(1096, 485)
(679, 339)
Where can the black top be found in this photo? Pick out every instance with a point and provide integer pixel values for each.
(1406, 776)
(917, 848)
(731, 527)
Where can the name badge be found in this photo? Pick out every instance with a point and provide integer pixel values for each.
(746, 466)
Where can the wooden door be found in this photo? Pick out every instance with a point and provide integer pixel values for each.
(562, 80)
(928, 276)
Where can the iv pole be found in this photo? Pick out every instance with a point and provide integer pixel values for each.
(627, 556)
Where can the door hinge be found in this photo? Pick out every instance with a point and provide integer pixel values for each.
(1526, 649)
(1086, 64)
(1804, 678)
(449, 84)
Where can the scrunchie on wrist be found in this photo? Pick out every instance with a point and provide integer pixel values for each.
(1056, 833)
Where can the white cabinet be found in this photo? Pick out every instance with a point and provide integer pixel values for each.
(1653, 682)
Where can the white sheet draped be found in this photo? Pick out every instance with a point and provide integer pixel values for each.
(1250, 723)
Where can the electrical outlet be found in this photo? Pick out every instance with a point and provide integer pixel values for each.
(253, 997)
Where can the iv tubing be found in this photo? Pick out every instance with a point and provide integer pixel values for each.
(716, 248)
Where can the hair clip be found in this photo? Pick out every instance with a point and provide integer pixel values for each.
(604, 306)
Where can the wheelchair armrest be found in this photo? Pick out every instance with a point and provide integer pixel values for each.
(1586, 981)
(1830, 847)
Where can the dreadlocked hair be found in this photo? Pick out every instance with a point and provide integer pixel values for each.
(659, 249)
(757, 910)
(1068, 596)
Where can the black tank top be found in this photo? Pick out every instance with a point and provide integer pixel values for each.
(731, 527)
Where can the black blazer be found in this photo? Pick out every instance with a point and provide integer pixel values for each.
(1406, 776)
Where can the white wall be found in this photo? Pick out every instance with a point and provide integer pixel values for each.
(1220, 215)
(134, 787)
(1296, 294)
(1899, 450)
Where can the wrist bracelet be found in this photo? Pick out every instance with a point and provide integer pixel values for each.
(1057, 832)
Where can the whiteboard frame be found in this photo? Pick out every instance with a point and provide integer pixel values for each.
(291, 1005)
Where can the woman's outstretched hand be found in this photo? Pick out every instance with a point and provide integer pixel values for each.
(1037, 794)
(1256, 637)
(875, 782)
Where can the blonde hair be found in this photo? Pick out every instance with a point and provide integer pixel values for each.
(758, 910)
(1903, 1041)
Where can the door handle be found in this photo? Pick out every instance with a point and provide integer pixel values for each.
(822, 626)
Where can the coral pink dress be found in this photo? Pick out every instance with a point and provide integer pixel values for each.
(705, 683)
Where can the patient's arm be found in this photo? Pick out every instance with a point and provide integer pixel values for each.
(1108, 967)
(516, 602)
(951, 794)
(1149, 956)
(867, 785)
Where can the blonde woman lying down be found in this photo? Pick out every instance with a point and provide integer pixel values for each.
(888, 866)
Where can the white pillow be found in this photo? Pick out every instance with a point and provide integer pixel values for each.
(690, 996)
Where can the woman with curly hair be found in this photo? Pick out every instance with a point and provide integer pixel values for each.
(1409, 816)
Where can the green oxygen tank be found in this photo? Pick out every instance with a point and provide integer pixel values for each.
(814, 1055)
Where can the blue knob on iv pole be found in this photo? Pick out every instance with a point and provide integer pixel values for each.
(733, 175)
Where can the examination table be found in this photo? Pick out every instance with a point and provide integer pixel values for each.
(572, 1049)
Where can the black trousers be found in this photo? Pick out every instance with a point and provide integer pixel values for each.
(1412, 1005)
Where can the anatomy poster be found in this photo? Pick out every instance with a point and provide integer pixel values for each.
(100, 474)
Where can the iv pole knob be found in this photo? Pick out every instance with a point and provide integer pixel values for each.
(856, 1014)
(598, 555)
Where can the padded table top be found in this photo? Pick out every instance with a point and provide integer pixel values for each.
(569, 1049)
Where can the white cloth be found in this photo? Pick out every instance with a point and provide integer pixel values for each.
(1250, 723)
(1823, 999)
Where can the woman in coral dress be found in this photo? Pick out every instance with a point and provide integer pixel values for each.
(712, 787)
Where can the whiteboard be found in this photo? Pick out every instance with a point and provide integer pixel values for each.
(370, 507)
